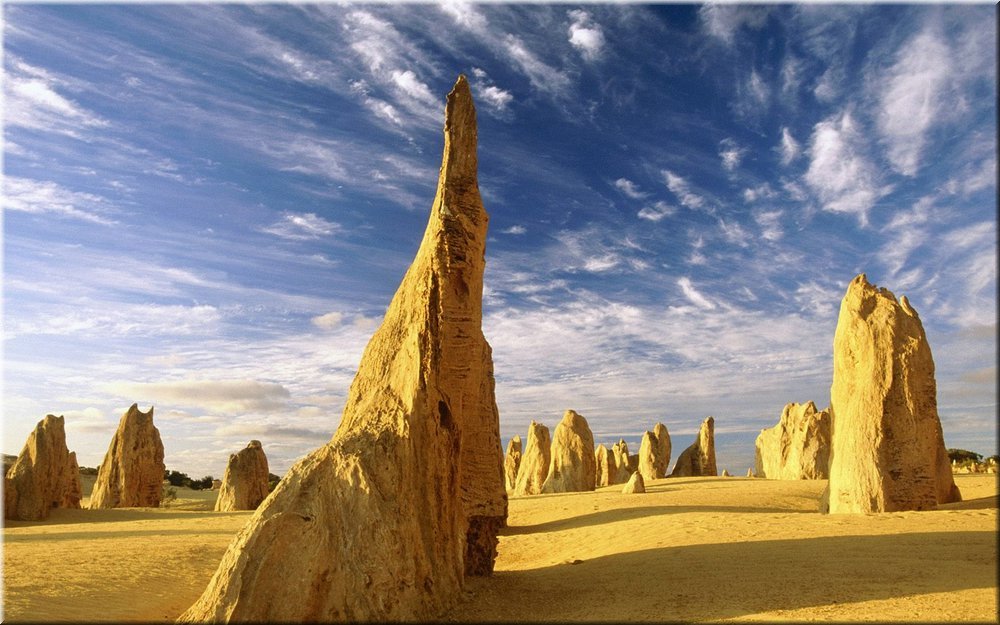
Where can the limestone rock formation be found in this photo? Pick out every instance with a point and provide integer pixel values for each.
(572, 467)
(375, 524)
(244, 484)
(798, 447)
(750, 472)
(663, 449)
(44, 476)
(699, 458)
(725, 473)
(622, 462)
(648, 460)
(888, 450)
(534, 461)
(131, 475)
(512, 463)
(606, 469)
(635, 484)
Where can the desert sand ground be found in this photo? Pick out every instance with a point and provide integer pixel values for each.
(691, 549)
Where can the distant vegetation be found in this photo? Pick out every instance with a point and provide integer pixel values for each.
(88, 471)
(963, 455)
(272, 481)
(176, 478)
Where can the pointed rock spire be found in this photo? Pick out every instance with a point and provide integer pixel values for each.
(377, 524)
(131, 475)
(44, 476)
(244, 485)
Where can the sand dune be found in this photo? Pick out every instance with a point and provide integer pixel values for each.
(691, 549)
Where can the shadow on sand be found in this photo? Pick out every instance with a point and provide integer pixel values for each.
(720, 581)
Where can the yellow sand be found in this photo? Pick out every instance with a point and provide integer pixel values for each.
(691, 549)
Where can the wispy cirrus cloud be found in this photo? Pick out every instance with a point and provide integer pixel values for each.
(682, 189)
(44, 197)
(630, 189)
(302, 227)
(586, 35)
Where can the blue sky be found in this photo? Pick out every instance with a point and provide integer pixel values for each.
(208, 207)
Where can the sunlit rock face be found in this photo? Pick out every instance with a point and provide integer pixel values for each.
(887, 451)
(244, 485)
(798, 447)
(572, 467)
(131, 475)
(535, 461)
(374, 525)
(44, 476)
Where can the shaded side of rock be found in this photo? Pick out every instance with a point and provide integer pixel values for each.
(244, 484)
(606, 469)
(622, 461)
(648, 461)
(887, 450)
(663, 449)
(512, 463)
(572, 467)
(131, 475)
(699, 458)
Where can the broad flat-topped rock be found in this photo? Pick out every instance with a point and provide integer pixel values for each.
(699, 458)
(572, 467)
(44, 476)
(798, 447)
(244, 484)
(131, 475)
(888, 450)
(374, 524)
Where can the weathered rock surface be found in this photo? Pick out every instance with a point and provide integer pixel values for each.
(606, 469)
(635, 484)
(512, 463)
(622, 462)
(535, 461)
(798, 447)
(572, 467)
(750, 472)
(699, 458)
(373, 525)
(244, 484)
(44, 476)
(725, 473)
(131, 475)
(648, 460)
(663, 449)
(888, 450)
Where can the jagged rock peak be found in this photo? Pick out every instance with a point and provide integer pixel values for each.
(131, 475)
(44, 476)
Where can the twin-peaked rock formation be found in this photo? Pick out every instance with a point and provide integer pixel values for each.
(131, 475)
(888, 450)
(606, 469)
(624, 464)
(244, 484)
(44, 476)
(384, 521)
(573, 467)
(534, 461)
(798, 447)
(654, 453)
(699, 458)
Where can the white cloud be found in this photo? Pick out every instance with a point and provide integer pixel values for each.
(693, 295)
(466, 15)
(791, 76)
(734, 233)
(630, 189)
(226, 396)
(770, 225)
(761, 191)
(758, 88)
(657, 211)
(586, 36)
(840, 173)
(42, 197)
(123, 320)
(731, 154)
(790, 148)
(32, 100)
(302, 227)
(680, 187)
(411, 86)
(328, 321)
(542, 76)
(828, 87)
(496, 97)
(913, 99)
(723, 21)
(515, 229)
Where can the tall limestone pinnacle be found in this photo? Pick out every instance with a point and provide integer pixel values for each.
(374, 524)
(887, 447)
